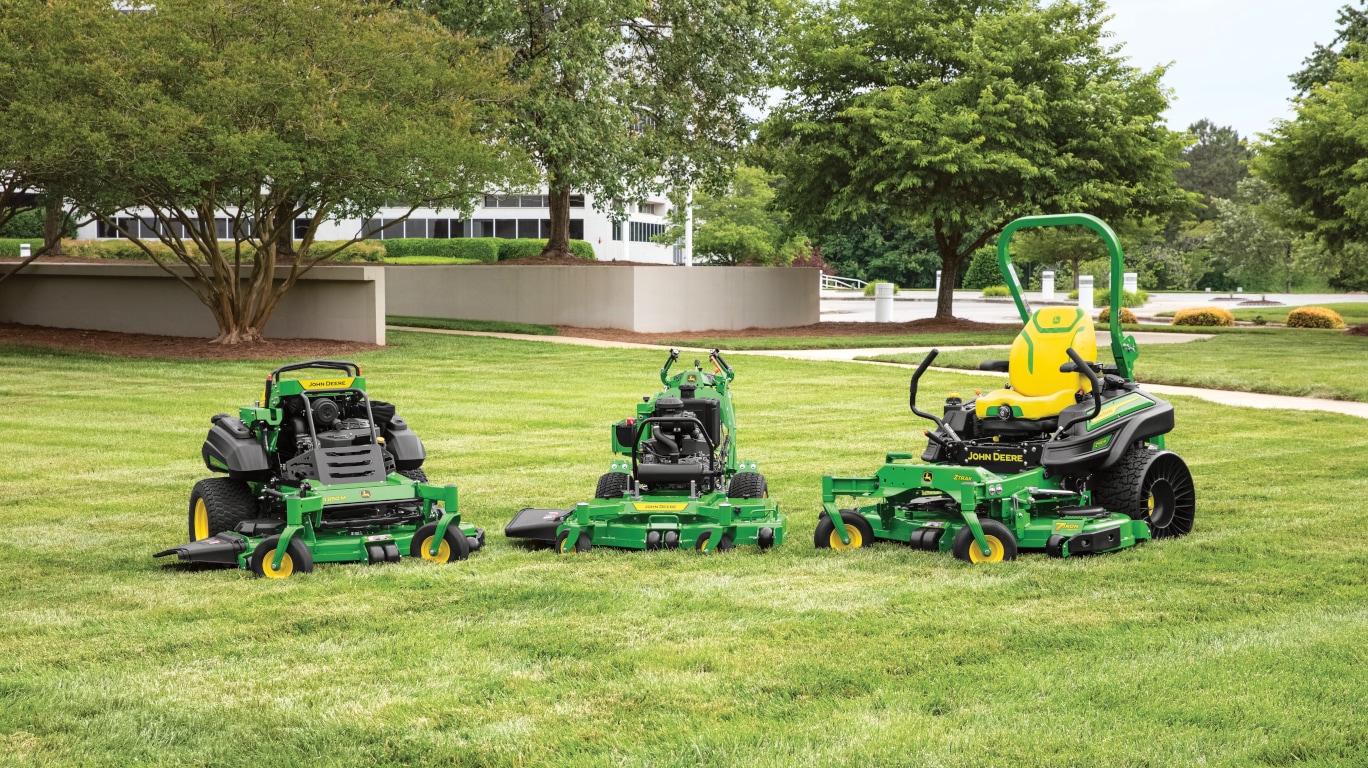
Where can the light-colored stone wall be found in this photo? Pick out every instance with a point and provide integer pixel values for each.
(642, 299)
(344, 302)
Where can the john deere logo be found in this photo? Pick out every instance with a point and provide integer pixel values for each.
(1058, 319)
(926, 477)
(365, 494)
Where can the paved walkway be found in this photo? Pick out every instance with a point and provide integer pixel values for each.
(1222, 396)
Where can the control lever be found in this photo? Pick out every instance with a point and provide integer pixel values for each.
(1081, 365)
(912, 396)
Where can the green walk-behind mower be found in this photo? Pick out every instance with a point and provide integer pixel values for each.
(318, 472)
(679, 483)
(1068, 458)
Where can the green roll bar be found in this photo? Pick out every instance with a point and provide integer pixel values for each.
(1124, 349)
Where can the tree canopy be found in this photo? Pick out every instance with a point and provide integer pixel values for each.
(221, 122)
(959, 117)
(622, 96)
(739, 225)
(1215, 164)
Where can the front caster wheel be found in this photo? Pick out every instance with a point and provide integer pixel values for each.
(454, 546)
(565, 546)
(857, 528)
(297, 559)
(1002, 544)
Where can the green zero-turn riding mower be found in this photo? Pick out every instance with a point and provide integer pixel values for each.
(1068, 457)
(679, 483)
(318, 472)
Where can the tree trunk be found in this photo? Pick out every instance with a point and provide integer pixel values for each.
(558, 245)
(53, 219)
(945, 297)
(284, 235)
(1073, 263)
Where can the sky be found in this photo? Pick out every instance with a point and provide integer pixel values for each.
(1229, 58)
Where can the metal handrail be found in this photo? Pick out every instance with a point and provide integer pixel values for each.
(833, 282)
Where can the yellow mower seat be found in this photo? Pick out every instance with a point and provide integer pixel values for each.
(1037, 390)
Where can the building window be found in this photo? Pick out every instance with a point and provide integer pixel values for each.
(576, 229)
(576, 200)
(649, 208)
(617, 230)
(391, 229)
(482, 228)
(506, 229)
(642, 232)
(301, 228)
(529, 229)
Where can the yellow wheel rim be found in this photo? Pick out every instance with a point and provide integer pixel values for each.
(1149, 503)
(443, 552)
(286, 566)
(566, 545)
(856, 540)
(201, 520)
(994, 545)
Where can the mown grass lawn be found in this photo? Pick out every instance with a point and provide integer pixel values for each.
(1353, 312)
(1242, 644)
(486, 326)
(954, 338)
(1299, 362)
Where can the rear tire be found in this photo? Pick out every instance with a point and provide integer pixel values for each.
(860, 531)
(218, 504)
(612, 485)
(748, 485)
(1154, 486)
(416, 475)
(1000, 540)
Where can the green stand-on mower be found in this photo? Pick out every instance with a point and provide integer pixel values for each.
(681, 483)
(317, 472)
(1069, 457)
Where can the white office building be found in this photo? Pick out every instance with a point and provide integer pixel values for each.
(504, 216)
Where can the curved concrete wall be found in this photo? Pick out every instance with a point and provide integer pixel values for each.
(633, 298)
(342, 302)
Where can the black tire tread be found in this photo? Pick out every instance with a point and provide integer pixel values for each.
(821, 537)
(1122, 488)
(747, 485)
(611, 485)
(416, 475)
(227, 502)
(964, 539)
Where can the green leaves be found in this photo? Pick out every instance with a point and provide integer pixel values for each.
(959, 118)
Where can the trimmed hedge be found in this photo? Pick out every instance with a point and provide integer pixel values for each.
(9, 246)
(479, 249)
(996, 290)
(1314, 317)
(529, 247)
(1127, 316)
(1102, 298)
(869, 287)
(1204, 316)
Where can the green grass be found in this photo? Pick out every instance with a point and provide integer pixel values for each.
(429, 260)
(1304, 363)
(1239, 645)
(1353, 312)
(958, 338)
(489, 326)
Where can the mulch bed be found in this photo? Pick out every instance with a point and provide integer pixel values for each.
(175, 347)
(928, 325)
(1358, 330)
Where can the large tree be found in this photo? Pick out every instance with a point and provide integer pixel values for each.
(1216, 163)
(959, 117)
(624, 96)
(739, 225)
(1320, 66)
(219, 123)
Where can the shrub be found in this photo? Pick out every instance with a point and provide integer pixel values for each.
(869, 287)
(1204, 316)
(1102, 298)
(996, 290)
(528, 248)
(120, 249)
(1314, 317)
(372, 251)
(983, 269)
(1260, 320)
(1127, 316)
(481, 249)
(1074, 294)
(9, 247)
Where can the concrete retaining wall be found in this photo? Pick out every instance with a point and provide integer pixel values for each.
(642, 299)
(345, 303)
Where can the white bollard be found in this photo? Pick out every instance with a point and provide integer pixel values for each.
(1085, 293)
(25, 250)
(938, 281)
(1239, 290)
(883, 302)
(1208, 290)
(1132, 282)
(1047, 285)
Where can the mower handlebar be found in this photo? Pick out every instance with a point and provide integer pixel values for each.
(716, 355)
(336, 365)
(912, 396)
(665, 369)
(1085, 368)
